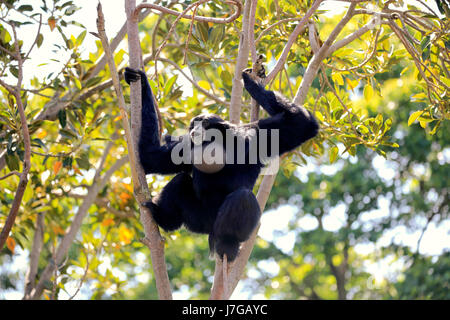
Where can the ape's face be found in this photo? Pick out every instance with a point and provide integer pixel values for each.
(200, 124)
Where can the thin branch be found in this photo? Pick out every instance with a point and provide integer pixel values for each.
(12, 54)
(291, 40)
(189, 35)
(106, 204)
(315, 62)
(241, 63)
(17, 173)
(86, 269)
(266, 30)
(231, 18)
(75, 226)
(367, 59)
(251, 30)
(36, 38)
(35, 253)
(194, 83)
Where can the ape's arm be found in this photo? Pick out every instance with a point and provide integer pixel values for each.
(154, 157)
(295, 124)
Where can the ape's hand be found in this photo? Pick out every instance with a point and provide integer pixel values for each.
(132, 75)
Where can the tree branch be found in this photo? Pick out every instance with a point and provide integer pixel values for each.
(231, 18)
(35, 253)
(74, 227)
(141, 191)
(194, 83)
(27, 146)
(292, 38)
(316, 61)
(241, 63)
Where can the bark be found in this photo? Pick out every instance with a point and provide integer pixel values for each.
(241, 63)
(35, 254)
(153, 238)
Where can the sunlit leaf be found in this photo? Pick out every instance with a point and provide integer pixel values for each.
(57, 165)
(10, 244)
(413, 117)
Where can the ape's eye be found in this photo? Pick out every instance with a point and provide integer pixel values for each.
(205, 123)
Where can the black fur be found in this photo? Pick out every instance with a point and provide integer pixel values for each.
(220, 204)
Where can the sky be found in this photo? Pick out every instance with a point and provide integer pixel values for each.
(434, 241)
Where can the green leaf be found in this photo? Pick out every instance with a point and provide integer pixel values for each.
(39, 40)
(62, 117)
(81, 37)
(413, 117)
(67, 162)
(333, 154)
(169, 85)
(93, 81)
(77, 83)
(14, 71)
(83, 161)
(25, 7)
(12, 161)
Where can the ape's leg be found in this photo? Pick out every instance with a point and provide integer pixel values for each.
(178, 204)
(169, 206)
(236, 220)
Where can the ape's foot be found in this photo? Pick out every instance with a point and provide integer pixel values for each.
(258, 72)
(132, 75)
(258, 67)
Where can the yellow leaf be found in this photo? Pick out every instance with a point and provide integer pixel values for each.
(419, 96)
(337, 77)
(204, 84)
(51, 23)
(56, 167)
(333, 154)
(423, 124)
(319, 116)
(351, 83)
(413, 117)
(368, 92)
(11, 244)
(117, 118)
(125, 235)
(42, 134)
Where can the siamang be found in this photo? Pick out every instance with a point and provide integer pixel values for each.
(217, 199)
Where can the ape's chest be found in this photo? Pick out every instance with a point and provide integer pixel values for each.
(229, 179)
